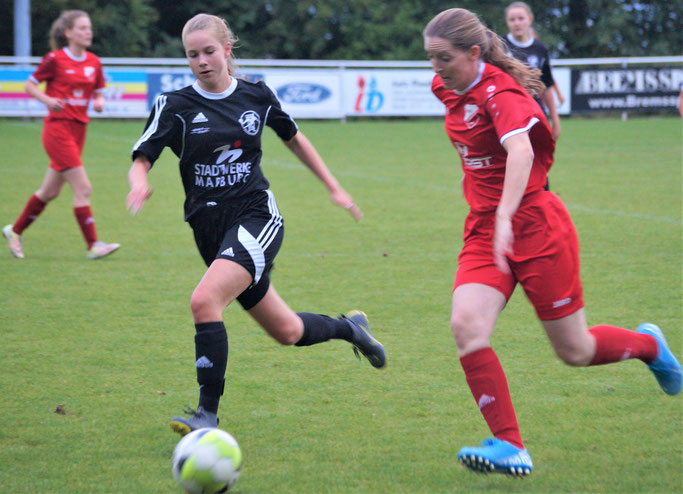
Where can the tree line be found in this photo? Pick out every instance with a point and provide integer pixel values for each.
(356, 29)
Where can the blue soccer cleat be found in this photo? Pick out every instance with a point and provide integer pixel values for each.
(665, 367)
(497, 456)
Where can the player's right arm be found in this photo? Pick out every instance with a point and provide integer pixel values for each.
(55, 105)
(137, 180)
(160, 131)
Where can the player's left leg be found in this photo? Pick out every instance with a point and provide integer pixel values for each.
(578, 345)
(82, 189)
(304, 328)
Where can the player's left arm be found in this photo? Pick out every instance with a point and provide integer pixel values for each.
(309, 156)
(98, 101)
(548, 97)
(549, 100)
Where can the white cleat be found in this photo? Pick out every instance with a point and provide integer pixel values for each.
(14, 241)
(100, 250)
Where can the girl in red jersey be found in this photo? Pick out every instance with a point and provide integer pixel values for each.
(516, 232)
(72, 75)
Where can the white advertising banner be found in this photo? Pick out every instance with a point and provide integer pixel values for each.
(306, 93)
(386, 92)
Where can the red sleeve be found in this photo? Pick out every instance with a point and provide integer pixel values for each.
(47, 68)
(512, 111)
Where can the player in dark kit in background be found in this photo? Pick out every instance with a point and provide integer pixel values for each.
(524, 46)
(215, 127)
(515, 232)
(72, 74)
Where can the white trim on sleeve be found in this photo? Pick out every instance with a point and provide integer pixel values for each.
(531, 123)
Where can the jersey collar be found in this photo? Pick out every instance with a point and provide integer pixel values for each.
(476, 81)
(512, 40)
(224, 94)
(72, 56)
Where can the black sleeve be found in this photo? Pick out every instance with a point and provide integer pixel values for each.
(546, 73)
(277, 119)
(161, 130)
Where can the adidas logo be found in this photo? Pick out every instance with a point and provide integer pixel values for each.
(228, 252)
(200, 118)
(485, 400)
(203, 363)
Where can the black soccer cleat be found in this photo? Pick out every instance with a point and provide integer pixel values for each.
(363, 341)
(197, 419)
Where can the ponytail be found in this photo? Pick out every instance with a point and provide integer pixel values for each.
(463, 30)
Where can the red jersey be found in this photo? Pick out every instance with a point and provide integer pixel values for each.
(72, 80)
(479, 119)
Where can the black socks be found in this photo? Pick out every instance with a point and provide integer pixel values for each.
(319, 328)
(211, 352)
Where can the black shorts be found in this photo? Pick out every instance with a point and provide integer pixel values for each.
(249, 233)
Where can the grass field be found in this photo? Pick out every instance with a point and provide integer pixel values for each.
(111, 342)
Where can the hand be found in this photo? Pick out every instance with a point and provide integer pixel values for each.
(343, 199)
(98, 104)
(137, 197)
(503, 239)
(55, 105)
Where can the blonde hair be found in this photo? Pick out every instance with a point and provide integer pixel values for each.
(463, 30)
(66, 20)
(521, 5)
(218, 27)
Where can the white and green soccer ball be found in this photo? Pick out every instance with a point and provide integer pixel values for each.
(207, 461)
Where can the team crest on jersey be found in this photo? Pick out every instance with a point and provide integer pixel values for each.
(250, 122)
(88, 71)
(471, 111)
(532, 60)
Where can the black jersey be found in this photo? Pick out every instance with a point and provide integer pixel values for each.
(534, 53)
(217, 137)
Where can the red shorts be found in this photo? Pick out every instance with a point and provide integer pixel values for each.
(63, 141)
(545, 260)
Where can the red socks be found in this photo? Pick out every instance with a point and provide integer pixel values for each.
(31, 211)
(87, 224)
(489, 386)
(614, 344)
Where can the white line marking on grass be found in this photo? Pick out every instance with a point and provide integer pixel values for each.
(410, 183)
(638, 216)
(365, 176)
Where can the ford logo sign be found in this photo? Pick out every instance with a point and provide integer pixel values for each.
(303, 93)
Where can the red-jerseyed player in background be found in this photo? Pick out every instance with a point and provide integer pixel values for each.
(516, 232)
(72, 75)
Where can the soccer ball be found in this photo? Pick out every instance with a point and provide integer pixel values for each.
(207, 461)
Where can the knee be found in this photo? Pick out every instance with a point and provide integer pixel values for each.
(47, 195)
(84, 191)
(288, 333)
(469, 330)
(575, 355)
(201, 306)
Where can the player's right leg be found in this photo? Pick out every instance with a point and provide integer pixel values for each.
(221, 284)
(475, 310)
(49, 189)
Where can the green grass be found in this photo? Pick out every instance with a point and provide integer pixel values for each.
(112, 340)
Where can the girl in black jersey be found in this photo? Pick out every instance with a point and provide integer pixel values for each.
(523, 45)
(215, 127)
